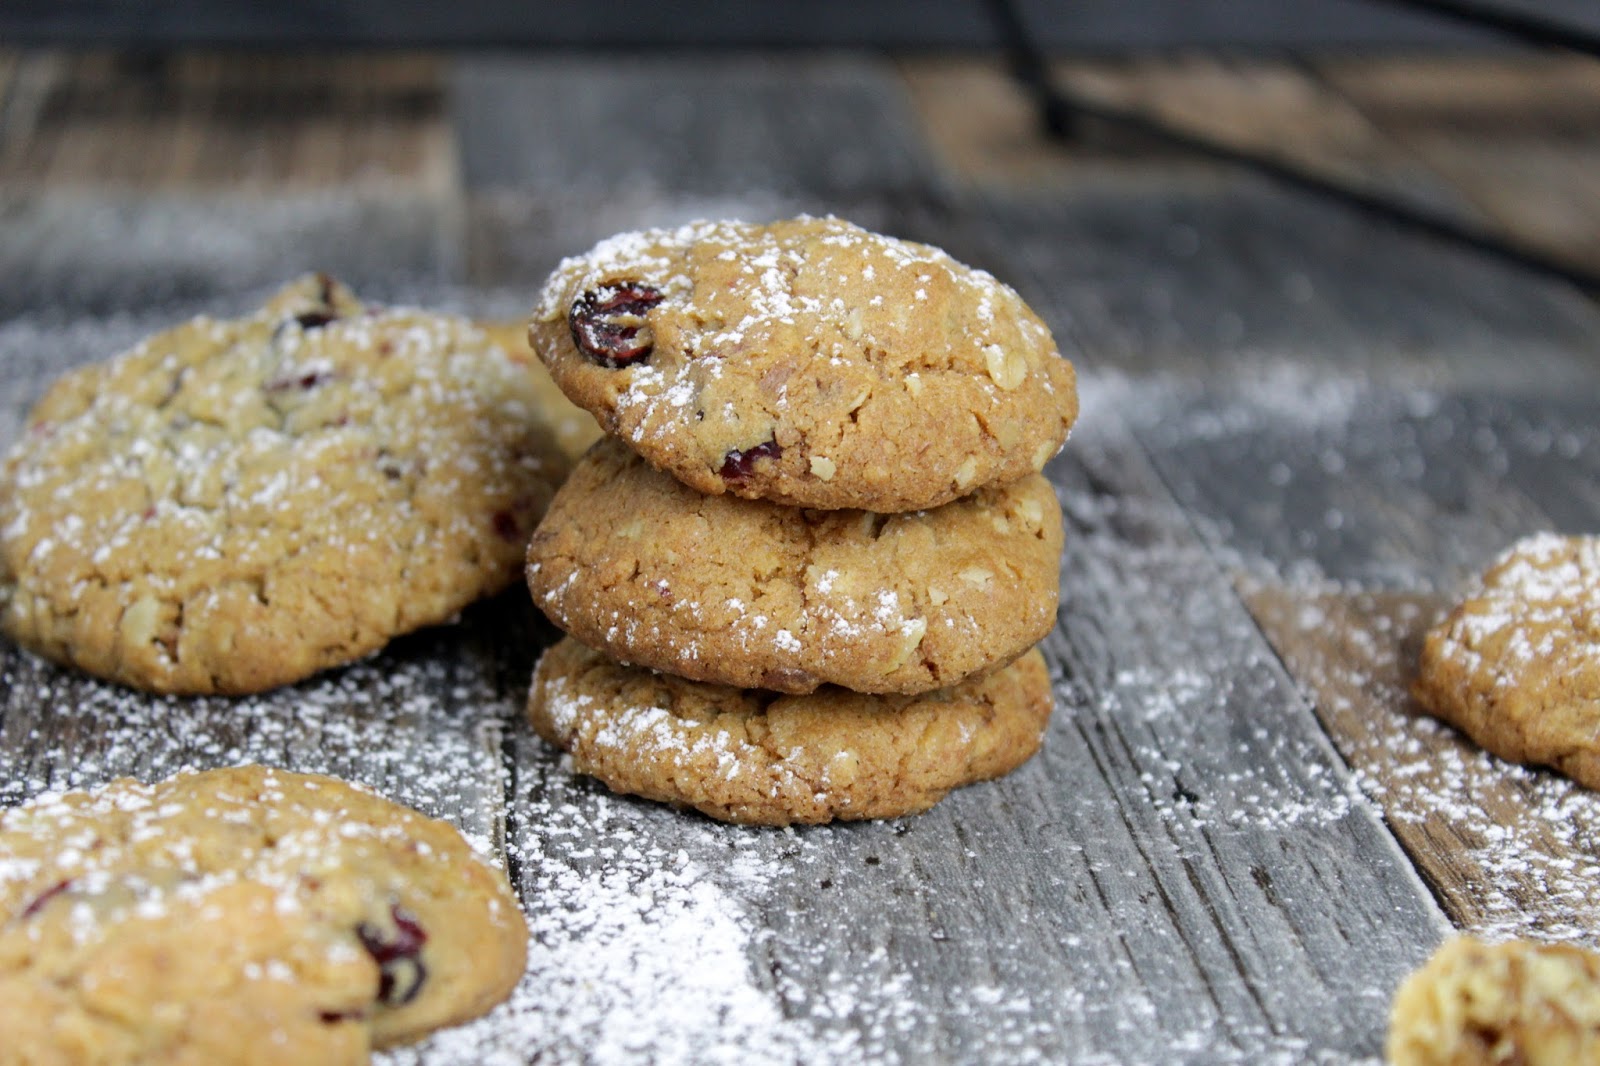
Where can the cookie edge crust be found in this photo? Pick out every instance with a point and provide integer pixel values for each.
(1021, 696)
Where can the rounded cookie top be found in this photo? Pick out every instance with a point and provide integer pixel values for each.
(234, 505)
(1514, 1002)
(759, 595)
(239, 915)
(1516, 666)
(769, 759)
(807, 362)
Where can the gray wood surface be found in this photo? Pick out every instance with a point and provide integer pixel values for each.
(1281, 402)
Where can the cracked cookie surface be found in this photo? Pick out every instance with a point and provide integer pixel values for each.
(759, 595)
(808, 362)
(1516, 666)
(241, 915)
(1478, 1004)
(764, 758)
(236, 504)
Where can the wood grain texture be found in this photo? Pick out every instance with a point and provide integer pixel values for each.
(1331, 479)
(245, 121)
(1518, 138)
(421, 723)
(1244, 281)
(783, 124)
(75, 258)
(987, 133)
(1182, 867)
(1509, 851)
(1504, 143)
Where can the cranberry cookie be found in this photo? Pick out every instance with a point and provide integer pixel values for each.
(234, 505)
(242, 915)
(1477, 1004)
(1517, 665)
(768, 759)
(807, 362)
(759, 595)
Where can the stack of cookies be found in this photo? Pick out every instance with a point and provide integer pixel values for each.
(802, 577)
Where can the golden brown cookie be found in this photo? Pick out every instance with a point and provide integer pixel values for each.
(807, 362)
(1477, 1004)
(759, 595)
(234, 505)
(573, 428)
(763, 758)
(241, 915)
(1517, 665)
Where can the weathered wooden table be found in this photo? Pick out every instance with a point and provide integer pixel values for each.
(1301, 431)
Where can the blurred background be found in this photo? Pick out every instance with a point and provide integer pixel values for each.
(472, 143)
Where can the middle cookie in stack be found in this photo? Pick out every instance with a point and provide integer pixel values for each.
(851, 428)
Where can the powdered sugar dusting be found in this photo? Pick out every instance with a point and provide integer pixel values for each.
(730, 289)
(1539, 603)
(1514, 851)
(647, 942)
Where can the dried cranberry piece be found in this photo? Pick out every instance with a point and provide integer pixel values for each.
(315, 319)
(608, 323)
(44, 898)
(738, 465)
(309, 380)
(505, 525)
(334, 1017)
(400, 970)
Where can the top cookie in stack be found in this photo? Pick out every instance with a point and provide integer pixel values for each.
(808, 362)
(823, 483)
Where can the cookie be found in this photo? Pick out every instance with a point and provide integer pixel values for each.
(241, 915)
(759, 595)
(234, 505)
(1476, 1004)
(1516, 666)
(808, 362)
(768, 759)
(574, 428)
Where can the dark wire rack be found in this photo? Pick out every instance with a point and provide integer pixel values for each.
(1062, 114)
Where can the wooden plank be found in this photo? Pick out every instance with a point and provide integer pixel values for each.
(71, 255)
(1498, 94)
(421, 723)
(987, 132)
(515, 238)
(1249, 278)
(1329, 479)
(32, 78)
(1507, 143)
(1517, 137)
(1183, 871)
(775, 125)
(206, 119)
(1509, 851)
(1265, 106)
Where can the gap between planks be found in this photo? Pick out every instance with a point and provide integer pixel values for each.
(1509, 851)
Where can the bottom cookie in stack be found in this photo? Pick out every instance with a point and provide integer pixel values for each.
(764, 758)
